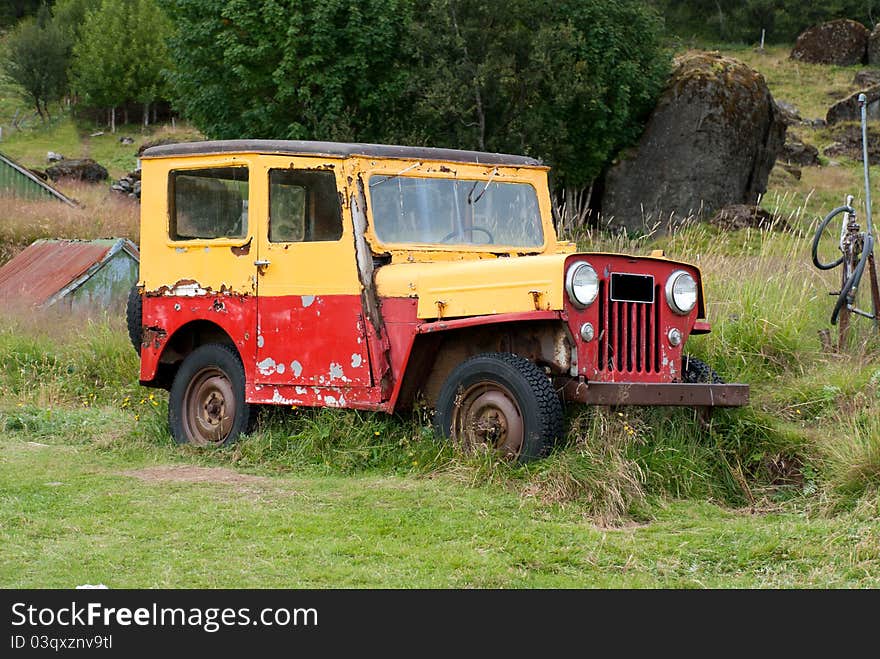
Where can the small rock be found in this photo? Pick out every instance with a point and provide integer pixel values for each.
(796, 152)
(867, 77)
(126, 140)
(97, 134)
(789, 113)
(791, 169)
(848, 143)
(51, 156)
(848, 109)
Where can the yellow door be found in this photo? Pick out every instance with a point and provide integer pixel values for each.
(310, 325)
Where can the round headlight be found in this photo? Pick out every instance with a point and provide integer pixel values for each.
(582, 284)
(681, 292)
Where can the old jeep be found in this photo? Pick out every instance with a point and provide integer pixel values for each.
(373, 276)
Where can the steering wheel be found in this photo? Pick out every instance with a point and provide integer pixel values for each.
(457, 232)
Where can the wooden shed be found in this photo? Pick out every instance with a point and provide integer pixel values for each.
(80, 275)
(18, 181)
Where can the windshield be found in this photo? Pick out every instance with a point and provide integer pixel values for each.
(407, 209)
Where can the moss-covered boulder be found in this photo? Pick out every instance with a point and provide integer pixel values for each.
(843, 42)
(710, 142)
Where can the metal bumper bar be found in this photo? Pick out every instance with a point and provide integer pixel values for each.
(639, 393)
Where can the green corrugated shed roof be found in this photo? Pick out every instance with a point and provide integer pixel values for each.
(19, 181)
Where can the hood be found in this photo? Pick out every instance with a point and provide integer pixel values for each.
(452, 289)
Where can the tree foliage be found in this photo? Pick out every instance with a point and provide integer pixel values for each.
(11, 11)
(287, 68)
(121, 54)
(37, 54)
(567, 81)
(743, 20)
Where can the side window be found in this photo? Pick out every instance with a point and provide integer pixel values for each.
(303, 206)
(208, 203)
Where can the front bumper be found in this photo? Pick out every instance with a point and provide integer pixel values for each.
(638, 393)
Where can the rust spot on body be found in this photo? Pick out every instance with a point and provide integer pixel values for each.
(242, 250)
(154, 335)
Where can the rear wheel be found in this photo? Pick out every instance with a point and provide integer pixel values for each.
(502, 401)
(134, 310)
(206, 406)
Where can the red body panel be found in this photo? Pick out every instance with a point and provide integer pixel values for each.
(312, 341)
(164, 315)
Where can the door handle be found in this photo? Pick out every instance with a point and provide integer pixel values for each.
(262, 263)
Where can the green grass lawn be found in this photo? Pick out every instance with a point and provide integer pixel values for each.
(71, 515)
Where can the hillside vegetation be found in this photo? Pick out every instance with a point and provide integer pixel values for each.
(804, 457)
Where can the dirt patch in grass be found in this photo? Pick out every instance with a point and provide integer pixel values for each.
(194, 474)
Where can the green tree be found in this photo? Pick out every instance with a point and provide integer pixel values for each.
(11, 11)
(71, 14)
(289, 68)
(120, 55)
(744, 20)
(37, 54)
(568, 81)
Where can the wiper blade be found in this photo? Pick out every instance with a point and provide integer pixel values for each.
(494, 172)
(380, 181)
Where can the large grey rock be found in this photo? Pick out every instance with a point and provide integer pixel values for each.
(710, 142)
(85, 169)
(848, 109)
(843, 42)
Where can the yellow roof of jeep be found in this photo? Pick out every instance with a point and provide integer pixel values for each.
(339, 150)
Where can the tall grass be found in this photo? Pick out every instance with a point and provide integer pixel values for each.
(101, 214)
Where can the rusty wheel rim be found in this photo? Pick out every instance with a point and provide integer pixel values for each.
(209, 407)
(487, 414)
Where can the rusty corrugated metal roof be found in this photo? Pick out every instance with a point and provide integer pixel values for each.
(46, 267)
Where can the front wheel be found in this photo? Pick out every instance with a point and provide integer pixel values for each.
(502, 401)
(696, 371)
(206, 406)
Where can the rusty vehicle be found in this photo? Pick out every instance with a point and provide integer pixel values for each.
(377, 276)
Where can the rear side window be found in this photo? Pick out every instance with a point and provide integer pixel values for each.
(303, 206)
(208, 203)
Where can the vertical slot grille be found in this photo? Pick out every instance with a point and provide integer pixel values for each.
(629, 334)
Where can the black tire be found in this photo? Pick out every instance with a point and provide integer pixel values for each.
(206, 406)
(696, 371)
(503, 400)
(134, 317)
